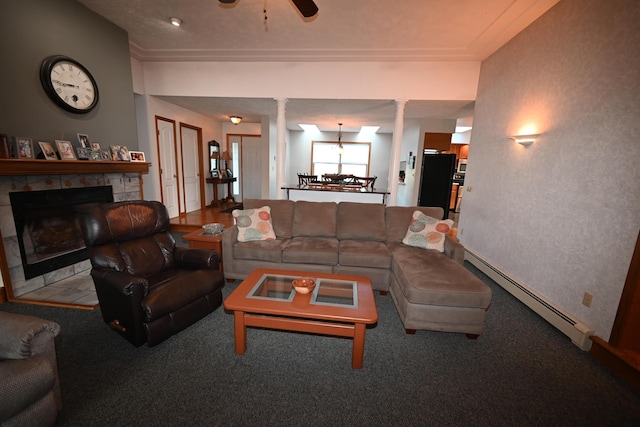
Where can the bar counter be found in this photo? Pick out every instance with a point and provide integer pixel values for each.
(335, 193)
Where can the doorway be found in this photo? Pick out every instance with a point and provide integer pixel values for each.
(168, 159)
(246, 160)
(192, 166)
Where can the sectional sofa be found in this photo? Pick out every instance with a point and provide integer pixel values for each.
(431, 290)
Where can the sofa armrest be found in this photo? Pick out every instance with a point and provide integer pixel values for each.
(196, 258)
(25, 336)
(454, 249)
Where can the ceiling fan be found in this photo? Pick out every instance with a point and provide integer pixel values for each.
(306, 7)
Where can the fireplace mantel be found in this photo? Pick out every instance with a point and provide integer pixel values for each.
(17, 167)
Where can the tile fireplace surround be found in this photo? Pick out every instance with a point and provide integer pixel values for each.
(35, 175)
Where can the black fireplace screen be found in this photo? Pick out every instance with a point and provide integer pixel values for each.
(47, 226)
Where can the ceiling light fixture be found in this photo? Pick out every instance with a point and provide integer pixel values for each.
(236, 119)
(176, 21)
(340, 147)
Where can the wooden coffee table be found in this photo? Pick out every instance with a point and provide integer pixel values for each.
(339, 305)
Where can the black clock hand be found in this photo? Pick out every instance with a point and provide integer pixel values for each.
(64, 84)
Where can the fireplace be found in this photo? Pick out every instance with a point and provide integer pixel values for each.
(47, 226)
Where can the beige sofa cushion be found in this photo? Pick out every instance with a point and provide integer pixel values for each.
(361, 221)
(399, 217)
(430, 278)
(315, 219)
(281, 214)
(362, 253)
(311, 250)
(261, 250)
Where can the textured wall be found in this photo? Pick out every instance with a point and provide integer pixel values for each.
(561, 215)
(36, 29)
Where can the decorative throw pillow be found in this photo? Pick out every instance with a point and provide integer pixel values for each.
(254, 224)
(427, 232)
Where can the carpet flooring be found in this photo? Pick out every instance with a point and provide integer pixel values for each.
(520, 371)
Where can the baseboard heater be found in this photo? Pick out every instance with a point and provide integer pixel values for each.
(579, 333)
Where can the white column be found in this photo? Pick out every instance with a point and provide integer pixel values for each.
(281, 148)
(396, 146)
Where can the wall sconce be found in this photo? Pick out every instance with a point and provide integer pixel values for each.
(236, 119)
(525, 139)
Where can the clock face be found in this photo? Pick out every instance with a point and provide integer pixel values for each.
(69, 84)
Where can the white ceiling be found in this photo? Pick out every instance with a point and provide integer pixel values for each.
(343, 30)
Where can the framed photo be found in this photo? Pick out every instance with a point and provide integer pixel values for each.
(223, 173)
(48, 151)
(137, 156)
(95, 155)
(120, 153)
(25, 148)
(95, 146)
(83, 153)
(229, 173)
(106, 154)
(65, 149)
(83, 139)
(214, 174)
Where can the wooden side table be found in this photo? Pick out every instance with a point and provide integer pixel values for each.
(216, 202)
(197, 239)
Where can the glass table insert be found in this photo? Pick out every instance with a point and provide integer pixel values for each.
(334, 292)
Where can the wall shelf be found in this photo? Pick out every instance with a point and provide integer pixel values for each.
(17, 167)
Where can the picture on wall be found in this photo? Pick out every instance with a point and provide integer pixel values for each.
(65, 149)
(48, 151)
(25, 148)
(137, 156)
(120, 153)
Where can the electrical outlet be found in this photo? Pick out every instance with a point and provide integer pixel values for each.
(587, 299)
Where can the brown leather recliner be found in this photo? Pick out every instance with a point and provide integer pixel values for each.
(148, 288)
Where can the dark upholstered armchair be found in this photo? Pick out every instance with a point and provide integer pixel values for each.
(148, 288)
(29, 384)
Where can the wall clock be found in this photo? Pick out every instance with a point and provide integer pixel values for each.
(69, 84)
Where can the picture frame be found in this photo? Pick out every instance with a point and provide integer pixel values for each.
(95, 155)
(214, 174)
(229, 173)
(137, 156)
(83, 153)
(95, 146)
(65, 150)
(48, 151)
(105, 154)
(120, 153)
(25, 148)
(83, 139)
(223, 173)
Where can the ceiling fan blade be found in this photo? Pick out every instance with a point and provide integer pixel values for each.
(306, 7)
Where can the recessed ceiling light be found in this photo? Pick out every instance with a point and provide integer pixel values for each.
(309, 128)
(176, 21)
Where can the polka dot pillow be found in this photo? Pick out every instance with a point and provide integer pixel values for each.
(254, 224)
(426, 232)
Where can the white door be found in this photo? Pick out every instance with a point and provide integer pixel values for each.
(191, 167)
(166, 133)
(251, 168)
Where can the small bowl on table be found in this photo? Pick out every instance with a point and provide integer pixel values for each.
(213, 229)
(304, 285)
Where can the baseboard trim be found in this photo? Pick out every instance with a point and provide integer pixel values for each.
(578, 332)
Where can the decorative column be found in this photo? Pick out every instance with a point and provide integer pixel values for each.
(396, 146)
(281, 149)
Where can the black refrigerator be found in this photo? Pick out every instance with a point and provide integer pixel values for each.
(437, 180)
